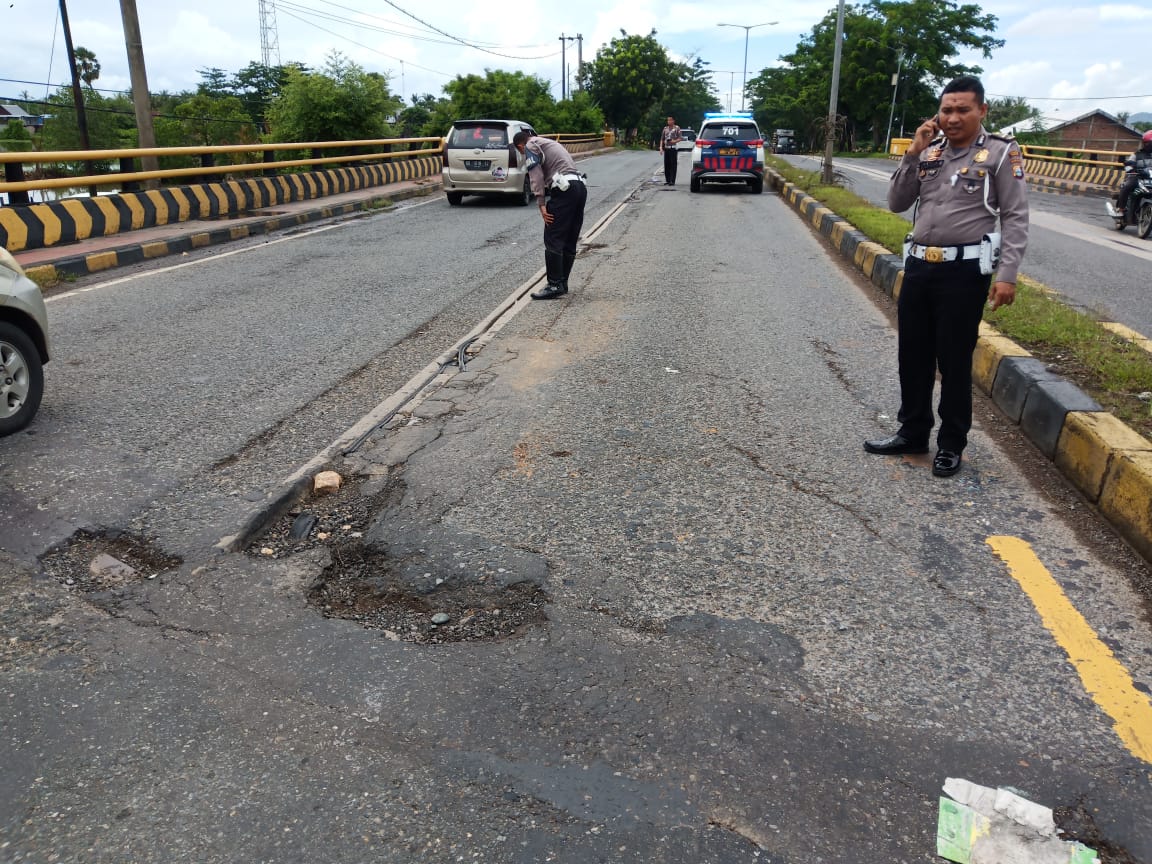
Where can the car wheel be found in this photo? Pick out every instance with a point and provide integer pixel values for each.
(454, 198)
(526, 193)
(757, 186)
(694, 184)
(1144, 226)
(21, 379)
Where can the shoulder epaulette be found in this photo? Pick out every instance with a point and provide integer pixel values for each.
(1008, 139)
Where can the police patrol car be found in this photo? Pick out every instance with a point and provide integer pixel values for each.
(729, 149)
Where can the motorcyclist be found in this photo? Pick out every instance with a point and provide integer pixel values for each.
(1139, 161)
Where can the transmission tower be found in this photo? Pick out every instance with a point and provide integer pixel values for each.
(269, 41)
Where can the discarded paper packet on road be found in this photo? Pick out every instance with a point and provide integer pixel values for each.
(979, 825)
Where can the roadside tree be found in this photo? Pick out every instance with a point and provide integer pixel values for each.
(627, 79)
(922, 38)
(341, 102)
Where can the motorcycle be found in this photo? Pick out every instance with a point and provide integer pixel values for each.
(1139, 209)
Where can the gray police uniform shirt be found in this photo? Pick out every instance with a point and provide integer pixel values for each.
(959, 192)
(552, 158)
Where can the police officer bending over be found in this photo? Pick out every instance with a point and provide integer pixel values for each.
(561, 194)
(963, 181)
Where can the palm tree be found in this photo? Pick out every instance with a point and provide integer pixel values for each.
(87, 66)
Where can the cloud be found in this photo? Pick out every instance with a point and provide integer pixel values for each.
(1057, 22)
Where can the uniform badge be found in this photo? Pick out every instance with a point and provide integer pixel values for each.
(982, 156)
(1017, 162)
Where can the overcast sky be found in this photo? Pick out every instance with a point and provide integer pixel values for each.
(1066, 57)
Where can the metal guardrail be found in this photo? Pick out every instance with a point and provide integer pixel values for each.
(129, 179)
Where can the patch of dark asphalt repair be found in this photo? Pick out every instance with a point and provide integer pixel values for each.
(418, 582)
(70, 563)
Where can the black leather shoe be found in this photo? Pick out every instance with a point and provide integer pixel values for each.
(894, 446)
(550, 292)
(946, 463)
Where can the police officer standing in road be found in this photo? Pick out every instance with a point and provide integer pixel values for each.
(561, 195)
(963, 181)
(670, 136)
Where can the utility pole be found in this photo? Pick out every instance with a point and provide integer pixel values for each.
(830, 142)
(77, 92)
(563, 68)
(564, 40)
(140, 97)
(579, 61)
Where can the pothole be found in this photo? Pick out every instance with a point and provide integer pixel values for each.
(360, 586)
(425, 583)
(99, 560)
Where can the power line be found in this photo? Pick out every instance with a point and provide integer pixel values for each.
(162, 95)
(1068, 98)
(90, 108)
(359, 44)
(406, 34)
(472, 45)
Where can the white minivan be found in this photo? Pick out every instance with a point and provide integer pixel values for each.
(480, 159)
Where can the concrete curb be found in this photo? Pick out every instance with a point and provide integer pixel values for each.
(133, 253)
(1107, 461)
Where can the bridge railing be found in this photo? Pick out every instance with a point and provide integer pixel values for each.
(75, 168)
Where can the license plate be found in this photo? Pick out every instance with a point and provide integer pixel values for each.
(729, 151)
(477, 164)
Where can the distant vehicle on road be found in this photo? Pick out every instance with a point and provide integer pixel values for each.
(687, 139)
(23, 346)
(480, 159)
(1139, 209)
(729, 149)
(783, 141)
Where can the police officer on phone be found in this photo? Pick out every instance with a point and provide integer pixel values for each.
(561, 195)
(971, 219)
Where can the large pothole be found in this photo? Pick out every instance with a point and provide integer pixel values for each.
(413, 580)
(94, 561)
(361, 585)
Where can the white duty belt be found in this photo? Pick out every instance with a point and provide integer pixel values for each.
(938, 254)
(561, 181)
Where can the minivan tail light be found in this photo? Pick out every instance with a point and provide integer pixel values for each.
(704, 142)
(759, 142)
(444, 155)
(513, 156)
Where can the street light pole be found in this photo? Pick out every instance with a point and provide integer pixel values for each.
(748, 28)
(892, 111)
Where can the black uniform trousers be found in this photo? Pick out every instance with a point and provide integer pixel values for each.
(567, 209)
(670, 164)
(939, 314)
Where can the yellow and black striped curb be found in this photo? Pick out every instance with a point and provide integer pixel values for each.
(1108, 461)
(44, 225)
(134, 253)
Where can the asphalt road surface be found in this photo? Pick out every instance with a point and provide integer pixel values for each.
(741, 638)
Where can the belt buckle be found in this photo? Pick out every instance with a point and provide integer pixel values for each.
(933, 254)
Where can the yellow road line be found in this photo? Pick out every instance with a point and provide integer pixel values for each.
(1103, 676)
